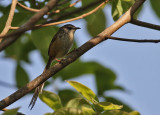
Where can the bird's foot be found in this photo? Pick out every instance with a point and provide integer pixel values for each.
(60, 61)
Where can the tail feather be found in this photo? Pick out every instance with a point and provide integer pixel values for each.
(35, 96)
(39, 88)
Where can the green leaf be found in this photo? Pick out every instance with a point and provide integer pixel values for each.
(155, 5)
(51, 99)
(105, 79)
(85, 91)
(102, 106)
(48, 114)
(11, 111)
(87, 110)
(21, 76)
(42, 38)
(86, 2)
(134, 113)
(85, 67)
(20, 49)
(82, 104)
(96, 23)
(68, 111)
(119, 112)
(67, 95)
(3, 19)
(119, 7)
(76, 102)
(118, 102)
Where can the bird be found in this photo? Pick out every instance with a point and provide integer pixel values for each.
(58, 48)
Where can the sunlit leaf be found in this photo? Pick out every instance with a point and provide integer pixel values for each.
(76, 102)
(102, 106)
(119, 112)
(68, 111)
(118, 102)
(51, 99)
(48, 114)
(82, 104)
(87, 110)
(84, 90)
(11, 112)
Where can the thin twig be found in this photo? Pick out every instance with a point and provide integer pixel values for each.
(71, 57)
(59, 10)
(145, 24)
(10, 18)
(56, 11)
(27, 8)
(69, 20)
(133, 40)
(82, 9)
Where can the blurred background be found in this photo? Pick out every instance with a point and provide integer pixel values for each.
(133, 67)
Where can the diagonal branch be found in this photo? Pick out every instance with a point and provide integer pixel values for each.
(28, 25)
(133, 40)
(145, 24)
(71, 57)
(10, 18)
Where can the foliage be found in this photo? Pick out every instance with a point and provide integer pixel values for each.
(67, 100)
(86, 105)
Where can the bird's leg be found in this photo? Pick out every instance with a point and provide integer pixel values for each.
(60, 61)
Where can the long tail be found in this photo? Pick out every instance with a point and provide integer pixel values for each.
(39, 89)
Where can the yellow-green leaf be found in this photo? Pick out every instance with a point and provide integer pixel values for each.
(76, 102)
(102, 106)
(51, 99)
(85, 91)
(119, 112)
(11, 112)
(68, 111)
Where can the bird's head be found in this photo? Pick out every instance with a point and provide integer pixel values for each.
(69, 28)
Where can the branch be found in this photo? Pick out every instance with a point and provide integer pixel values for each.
(82, 9)
(28, 25)
(76, 18)
(27, 8)
(133, 40)
(71, 57)
(145, 24)
(59, 10)
(56, 11)
(10, 18)
(69, 20)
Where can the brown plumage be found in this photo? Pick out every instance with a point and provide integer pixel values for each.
(59, 47)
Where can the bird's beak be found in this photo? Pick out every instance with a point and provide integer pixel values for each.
(77, 28)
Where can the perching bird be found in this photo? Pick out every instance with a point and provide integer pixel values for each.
(59, 47)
